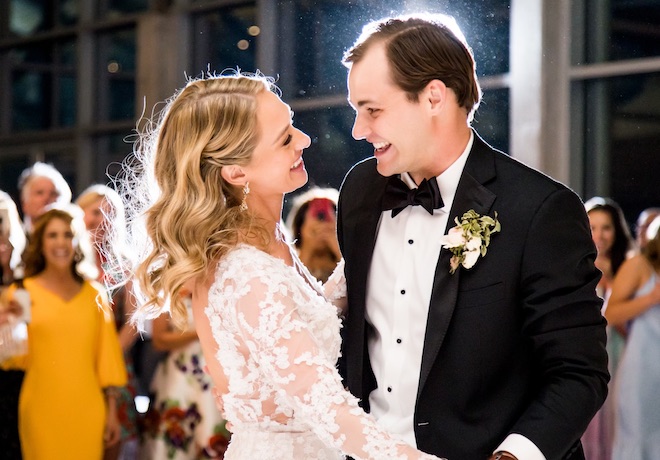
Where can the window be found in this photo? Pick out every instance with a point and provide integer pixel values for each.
(620, 128)
(333, 150)
(615, 30)
(43, 85)
(71, 68)
(492, 118)
(313, 36)
(116, 75)
(118, 8)
(28, 17)
(225, 39)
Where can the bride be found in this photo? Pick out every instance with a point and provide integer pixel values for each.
(207, 193)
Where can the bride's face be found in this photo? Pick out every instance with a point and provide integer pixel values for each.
(276, 166)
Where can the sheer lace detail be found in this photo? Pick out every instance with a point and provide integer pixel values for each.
(335, 287)
(278, 342)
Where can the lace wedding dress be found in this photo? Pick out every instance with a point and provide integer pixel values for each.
(278, 342)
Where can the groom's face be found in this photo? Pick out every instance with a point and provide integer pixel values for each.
(385, 117)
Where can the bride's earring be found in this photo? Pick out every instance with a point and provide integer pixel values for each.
(246, 192)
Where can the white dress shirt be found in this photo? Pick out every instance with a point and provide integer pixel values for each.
(398, 297)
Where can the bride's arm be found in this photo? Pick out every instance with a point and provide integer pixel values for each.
(200, 296)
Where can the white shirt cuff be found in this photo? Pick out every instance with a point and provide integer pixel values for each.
(521, 447)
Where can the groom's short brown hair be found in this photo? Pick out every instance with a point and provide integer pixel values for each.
(420, 49)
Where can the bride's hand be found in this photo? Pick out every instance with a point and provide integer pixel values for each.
(220, 405)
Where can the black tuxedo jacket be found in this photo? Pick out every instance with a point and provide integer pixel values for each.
(516, 344)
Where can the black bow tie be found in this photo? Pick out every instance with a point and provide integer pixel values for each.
(398, 195)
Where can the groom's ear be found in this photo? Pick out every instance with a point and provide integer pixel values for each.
(233, 175)
(435, 95)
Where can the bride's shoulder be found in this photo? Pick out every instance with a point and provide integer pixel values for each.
(245, 272)
(245, 263)
(244, 255)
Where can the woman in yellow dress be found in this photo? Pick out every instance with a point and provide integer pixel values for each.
(74, 360)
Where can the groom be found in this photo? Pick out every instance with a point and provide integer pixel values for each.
(505, 356)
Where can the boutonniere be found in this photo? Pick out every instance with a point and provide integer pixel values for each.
(469, 239)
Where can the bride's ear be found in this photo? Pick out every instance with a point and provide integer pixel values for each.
(233, 175)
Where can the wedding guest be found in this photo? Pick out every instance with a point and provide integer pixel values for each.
(12, 239)
(41, 185)
(611, 236)
(183, 422)
(614, 244)
(635, 300)
(643, 220)
(12, 244)
(223, 154)
(312, 222)
(74, 363)
(101, 205)
(473, 328)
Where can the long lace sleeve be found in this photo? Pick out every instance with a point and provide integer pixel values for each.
(289, 355)
(335, 288)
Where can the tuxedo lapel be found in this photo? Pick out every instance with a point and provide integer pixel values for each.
(365, 241)
(470, 194)
(362, 223)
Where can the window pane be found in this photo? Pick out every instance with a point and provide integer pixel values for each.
(222, 40)
(64, 160)
(68, 12)
(27, 17)
(111, 150)
(492, 118)
(116, 83)
(43, 87)
(333, 150)
(67, 101)
(41, 53)
(615, 30)
(122, 99)
(30, 100)
(11, 168)
(120, 7)
(121, 51)
(68, 53)
(486, 28)
(314, 35)
(49, 52)
(312, 38)
(621, 129)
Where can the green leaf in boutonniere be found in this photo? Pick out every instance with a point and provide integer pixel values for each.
(469, 239)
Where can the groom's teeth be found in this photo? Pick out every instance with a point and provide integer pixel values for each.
(380, 145)
(296, 164)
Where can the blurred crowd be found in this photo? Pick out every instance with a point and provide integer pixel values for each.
(76, 377)
(627, 425)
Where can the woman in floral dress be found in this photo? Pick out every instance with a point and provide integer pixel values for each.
(182, 422)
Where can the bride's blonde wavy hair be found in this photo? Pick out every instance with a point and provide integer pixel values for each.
(182, 215)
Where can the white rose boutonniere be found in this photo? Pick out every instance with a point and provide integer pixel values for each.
(469, 239)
